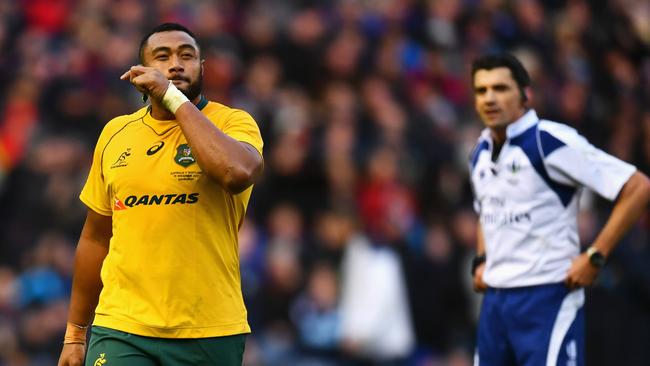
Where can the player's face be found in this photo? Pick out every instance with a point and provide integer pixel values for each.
(497, 97)
(177, 56)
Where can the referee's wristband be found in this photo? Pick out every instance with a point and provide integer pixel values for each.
(477, 261)
(173, 98)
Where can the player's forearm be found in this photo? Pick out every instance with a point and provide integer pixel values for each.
(86, 284)
(233, 164)
(632, 202)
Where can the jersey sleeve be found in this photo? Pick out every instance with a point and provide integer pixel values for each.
(476, 204)
(571, 159)
(481, 145)
(95, 193)
(242, 127)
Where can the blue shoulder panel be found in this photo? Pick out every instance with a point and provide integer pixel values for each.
(527, 141)
(484, 145)
(549, 143)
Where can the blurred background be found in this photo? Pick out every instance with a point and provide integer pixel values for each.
(358, 239)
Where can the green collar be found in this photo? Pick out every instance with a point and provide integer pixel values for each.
(202, 103)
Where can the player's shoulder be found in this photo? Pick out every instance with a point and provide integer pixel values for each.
(225, 117)
(224, 111)
(120, 122)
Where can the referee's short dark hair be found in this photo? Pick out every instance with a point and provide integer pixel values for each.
(165, 27)
(493, 61)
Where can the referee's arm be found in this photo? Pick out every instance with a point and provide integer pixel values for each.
(479, 267)
(632, 202)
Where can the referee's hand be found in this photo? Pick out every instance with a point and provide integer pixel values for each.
(72, 355)
(581, 274)
(479, 285)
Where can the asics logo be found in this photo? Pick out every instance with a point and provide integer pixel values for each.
(155, 148)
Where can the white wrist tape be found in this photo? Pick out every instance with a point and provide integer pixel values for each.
(173, 98)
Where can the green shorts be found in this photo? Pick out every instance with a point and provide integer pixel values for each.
(109, 347)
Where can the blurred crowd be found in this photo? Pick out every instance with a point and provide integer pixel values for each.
(358, 238)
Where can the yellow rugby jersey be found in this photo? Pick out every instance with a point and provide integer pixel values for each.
(172, 269)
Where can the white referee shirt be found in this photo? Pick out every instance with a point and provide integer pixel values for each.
(528, 199)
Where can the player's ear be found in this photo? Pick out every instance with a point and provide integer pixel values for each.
(202, 63)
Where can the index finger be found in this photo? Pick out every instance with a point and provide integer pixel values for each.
(126, 75)
(134, 70)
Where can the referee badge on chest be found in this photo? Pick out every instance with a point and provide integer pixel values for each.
(184, 155)
(513, 168)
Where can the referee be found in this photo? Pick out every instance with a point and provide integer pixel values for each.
(157, 266)
(527, 173)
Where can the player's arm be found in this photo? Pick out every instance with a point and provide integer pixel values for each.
(478, 264)
(86, 285)
(631, 203)
(233, 164)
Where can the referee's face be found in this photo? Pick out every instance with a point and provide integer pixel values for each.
(498, 99)
(177, 56)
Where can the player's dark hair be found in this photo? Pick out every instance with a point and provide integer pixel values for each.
(509, 61)
(165, 27)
